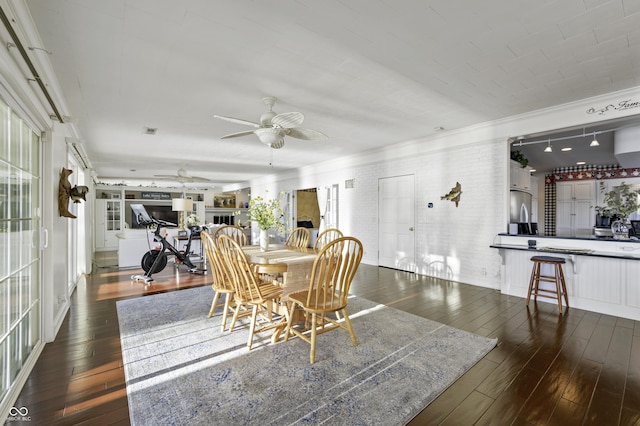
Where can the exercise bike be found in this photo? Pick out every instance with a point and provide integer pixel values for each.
(155, 260)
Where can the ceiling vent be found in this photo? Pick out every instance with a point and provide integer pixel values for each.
(626, 147)
(150, 130)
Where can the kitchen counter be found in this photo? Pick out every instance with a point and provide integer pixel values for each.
(601, 273)
(555, 237)
(597, 247)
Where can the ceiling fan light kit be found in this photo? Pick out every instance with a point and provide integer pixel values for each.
(271, 136)
(274, 127)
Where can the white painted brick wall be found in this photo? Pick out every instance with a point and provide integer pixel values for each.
(450, 242)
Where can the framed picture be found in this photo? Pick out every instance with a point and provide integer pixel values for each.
(115, 196)
(224, 201)
(182, 233)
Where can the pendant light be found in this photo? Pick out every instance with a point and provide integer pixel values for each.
(548, 148)
(594, 142)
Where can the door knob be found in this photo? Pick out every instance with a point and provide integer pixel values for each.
(411, 228)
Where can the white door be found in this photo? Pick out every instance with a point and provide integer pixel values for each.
(585, 191)
(585, 218)
(100, 224)
(564, 218)
(396, 211)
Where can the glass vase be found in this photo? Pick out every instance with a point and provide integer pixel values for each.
(619, 230)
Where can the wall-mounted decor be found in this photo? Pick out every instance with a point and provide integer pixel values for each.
(454, 194)
(64, 189)
(155, 195)
(79, 193)
(621, 106)
(66, 192)
(224, 201)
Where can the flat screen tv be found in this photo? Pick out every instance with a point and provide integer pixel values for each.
(159, 212)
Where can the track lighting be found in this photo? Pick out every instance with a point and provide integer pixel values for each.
(548, 148)
(594, 142)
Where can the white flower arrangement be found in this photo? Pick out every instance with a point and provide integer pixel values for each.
(267, 213)
(192, 220)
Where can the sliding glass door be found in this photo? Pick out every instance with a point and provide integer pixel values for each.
(19, 245)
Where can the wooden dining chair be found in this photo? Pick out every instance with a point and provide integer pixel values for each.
(331, 276)
(299, 237)
(222, 283)
(326, 237)
(235, 232)
(250, 291)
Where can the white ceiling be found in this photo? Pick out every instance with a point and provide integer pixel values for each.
(365, 72)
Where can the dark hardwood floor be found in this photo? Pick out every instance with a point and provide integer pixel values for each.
(572, 369)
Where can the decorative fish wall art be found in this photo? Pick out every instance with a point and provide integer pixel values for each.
(454, 194)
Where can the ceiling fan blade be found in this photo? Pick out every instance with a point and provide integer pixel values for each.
(198, 179)
(288, 119)
(238, 121)
(306, 134)
(237, 135)
(182, 176)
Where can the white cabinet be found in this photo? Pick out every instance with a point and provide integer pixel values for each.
(575, 215)
(520, 176)
(108, 223)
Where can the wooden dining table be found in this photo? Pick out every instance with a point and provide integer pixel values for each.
(299, 263)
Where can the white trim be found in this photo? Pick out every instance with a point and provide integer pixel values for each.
(14, 392)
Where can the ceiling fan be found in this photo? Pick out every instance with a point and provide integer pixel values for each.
(182, 176)
(273, 127)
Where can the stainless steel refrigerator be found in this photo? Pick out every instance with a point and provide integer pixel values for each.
(521, 211)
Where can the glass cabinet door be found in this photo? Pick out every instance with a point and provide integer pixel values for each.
(113, 215)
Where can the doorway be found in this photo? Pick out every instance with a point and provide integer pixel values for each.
(20, 251)
(396, 222)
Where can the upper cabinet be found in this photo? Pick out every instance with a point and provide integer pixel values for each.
(520, 177)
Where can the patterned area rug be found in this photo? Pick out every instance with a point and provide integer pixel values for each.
(181, 369)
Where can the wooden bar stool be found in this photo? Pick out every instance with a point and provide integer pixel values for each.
(557, 278)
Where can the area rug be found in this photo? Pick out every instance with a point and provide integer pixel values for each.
(181, 369)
